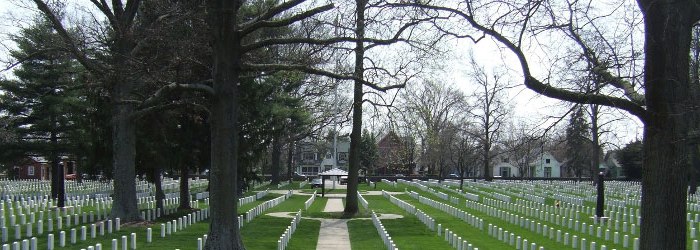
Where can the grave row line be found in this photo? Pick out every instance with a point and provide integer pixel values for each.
(388, 242)
(287, 235)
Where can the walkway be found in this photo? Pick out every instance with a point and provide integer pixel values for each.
(334, 232)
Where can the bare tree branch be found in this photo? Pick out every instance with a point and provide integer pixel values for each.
(70, 42)
(263, 23)
(533, 83)
(201, 86)
(315, 71)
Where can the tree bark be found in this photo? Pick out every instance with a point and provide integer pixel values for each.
(160, 195)
(290, 159)
(124, 139)
(665, 169)
(276, 154)
(351, 206)
(223, 229)
(184, 187)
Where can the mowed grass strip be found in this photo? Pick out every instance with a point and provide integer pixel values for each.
(408, 232)
(363, 235)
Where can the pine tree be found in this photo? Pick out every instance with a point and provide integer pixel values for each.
(577, 139)
(44, 104)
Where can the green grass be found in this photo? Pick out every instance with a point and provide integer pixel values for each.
(306, 235)
(408, 232)
(363, 235)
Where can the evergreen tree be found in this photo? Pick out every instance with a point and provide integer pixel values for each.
(631, 158)
(577, 139)
(368, 151)
(45, 103)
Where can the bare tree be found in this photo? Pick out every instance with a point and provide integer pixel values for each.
(667, 92)
(490, 112)
(431, 108)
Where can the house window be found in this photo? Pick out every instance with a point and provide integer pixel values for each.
(547, 171)
(505, 172)
(30, 170)
(309, 156)
(343, 156)
(546, 161)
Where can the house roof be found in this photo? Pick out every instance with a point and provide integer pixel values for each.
(334, 172)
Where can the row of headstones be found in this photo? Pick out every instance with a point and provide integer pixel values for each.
(283, 183)
(557, 219)
(544, 229)
(166, 229)
(86, 218)
(48, 204)
(414, 183)
(261, 194)
(362, 200)
(455, 240)
(392, 183)
(530, 224)
(388, 242)
(400, 203)
(470, 219)
(50, 226)
(287, 235)
(532, 197)
(257, 185)
(302, 184)
(511, 238)
(150, 202)
(310, 201)
(260, 209)
(422, 216)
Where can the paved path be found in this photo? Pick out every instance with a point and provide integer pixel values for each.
(334, 232)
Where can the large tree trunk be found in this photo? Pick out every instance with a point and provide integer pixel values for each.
(223, 229)
(160, 195)
(58, 189)
(124, 139)
(351, 206)
(184, 186)
(276, 154)
(665, 169)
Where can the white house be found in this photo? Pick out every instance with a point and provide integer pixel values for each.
(504, 168)
(546, 166)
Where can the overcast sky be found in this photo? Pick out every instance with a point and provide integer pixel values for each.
(527, 105)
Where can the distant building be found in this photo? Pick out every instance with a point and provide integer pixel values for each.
(395, 155)
(612, 167)
(314, 157)
(546, 166)
(503, 168)
(38, 168)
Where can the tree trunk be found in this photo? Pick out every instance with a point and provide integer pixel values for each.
(595, 159)
(57, 178)
(160, 195)
(487, 160)
(351, 206)
(276, 155)
(665, 169)
(184, 187)
(223, 229)
(290, 159)
(124, 150)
